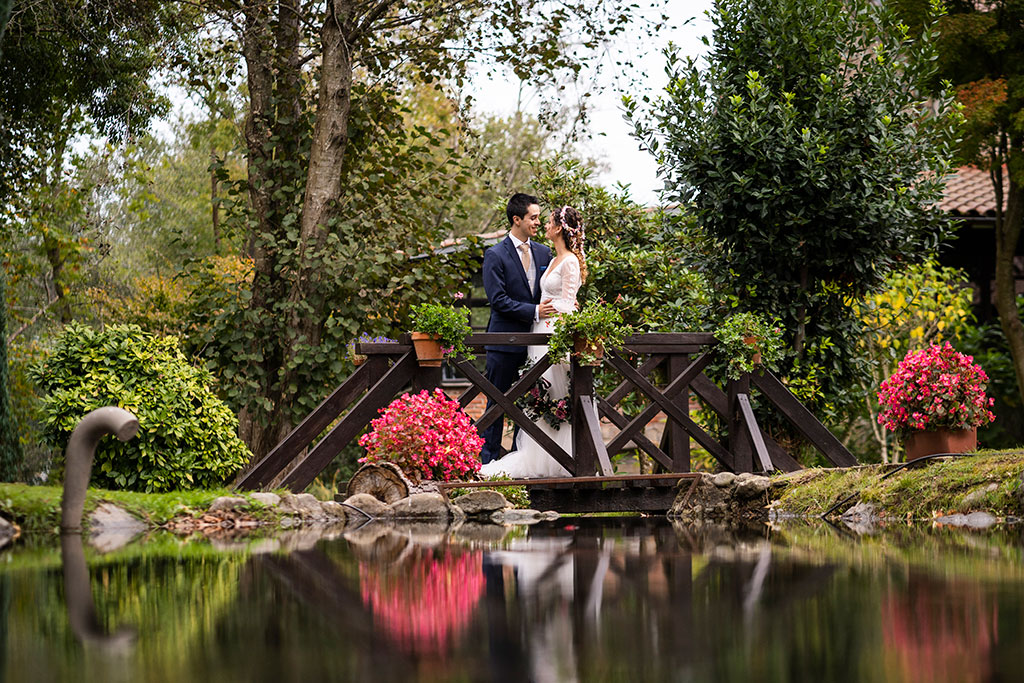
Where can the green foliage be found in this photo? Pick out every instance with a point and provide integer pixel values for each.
(812, 156)
(450, 324)
(11, 455)
(187, 436)
(744, 335)
(367, 280)
(920, 305)
(635, 257)
(598, 324)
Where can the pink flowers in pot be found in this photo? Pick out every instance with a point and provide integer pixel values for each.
(935, 388)
(427, 434)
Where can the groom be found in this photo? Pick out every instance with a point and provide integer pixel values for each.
(512, 270)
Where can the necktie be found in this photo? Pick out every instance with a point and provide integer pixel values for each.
(525, 256)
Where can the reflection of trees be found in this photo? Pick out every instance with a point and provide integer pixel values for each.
(934, 631)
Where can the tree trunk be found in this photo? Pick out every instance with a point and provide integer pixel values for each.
(270, 49)
(1007, 236)
(273, 58)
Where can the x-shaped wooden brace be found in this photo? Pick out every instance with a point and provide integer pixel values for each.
(508, 406)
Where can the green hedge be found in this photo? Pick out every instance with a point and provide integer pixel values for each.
(187, 436)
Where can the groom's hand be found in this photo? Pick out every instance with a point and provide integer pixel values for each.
(546, 310)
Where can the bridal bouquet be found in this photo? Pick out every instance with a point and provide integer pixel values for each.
(426, 434)
(537, 404)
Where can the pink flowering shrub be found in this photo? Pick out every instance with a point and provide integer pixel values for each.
(935, 388)
(427, 435)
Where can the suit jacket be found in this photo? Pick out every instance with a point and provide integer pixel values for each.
(513, 302)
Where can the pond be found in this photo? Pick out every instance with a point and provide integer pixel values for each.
(577, 599)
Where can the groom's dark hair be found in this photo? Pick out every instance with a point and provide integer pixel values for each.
(518, 205)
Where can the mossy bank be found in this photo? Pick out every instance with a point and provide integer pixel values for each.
(988, 481)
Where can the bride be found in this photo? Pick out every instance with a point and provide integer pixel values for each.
(560, 283)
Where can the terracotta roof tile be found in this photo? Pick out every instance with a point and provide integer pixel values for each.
(969, 192)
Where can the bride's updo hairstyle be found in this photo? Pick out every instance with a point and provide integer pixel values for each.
(571, 223)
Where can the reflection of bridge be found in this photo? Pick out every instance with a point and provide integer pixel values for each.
(679, 359)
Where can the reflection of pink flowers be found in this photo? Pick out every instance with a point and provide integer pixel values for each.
(425, 607)
(426, 434)
(935, 388)
(935, 632)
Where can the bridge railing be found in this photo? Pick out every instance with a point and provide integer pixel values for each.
(392, 368)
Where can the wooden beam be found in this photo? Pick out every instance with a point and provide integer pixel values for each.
(678, 440)
(584, 451)
(311, 427)
(626, 388)
(803, 419)
(640, 439)
(739, 444)
(754, 432)
(382, 393)
(672, 410)
(718, 402)
(513, 411)
(593, 425)
(674, 388)
(518, 389)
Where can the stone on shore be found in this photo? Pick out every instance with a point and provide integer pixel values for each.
(302, 504)
(367, 504)
(481, 503)
(421, 506)
(228, 503)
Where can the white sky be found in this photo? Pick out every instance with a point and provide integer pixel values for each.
(611, 141)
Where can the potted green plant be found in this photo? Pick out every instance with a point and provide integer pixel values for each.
(586, 333)
(747, 341)
(936, 401)
(440, 330)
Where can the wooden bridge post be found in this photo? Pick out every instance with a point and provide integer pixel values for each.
(739, 442)
(583, 452)
(678, 444)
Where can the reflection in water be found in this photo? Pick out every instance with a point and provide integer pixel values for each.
(427, 599)
(939, 632)
(609, 599)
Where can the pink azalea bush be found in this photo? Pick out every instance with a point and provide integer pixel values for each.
(427, 434)
(935, 388)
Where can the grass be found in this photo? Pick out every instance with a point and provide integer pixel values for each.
(37, 508)
(954, 485)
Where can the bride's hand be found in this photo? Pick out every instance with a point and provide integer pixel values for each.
(546, 309)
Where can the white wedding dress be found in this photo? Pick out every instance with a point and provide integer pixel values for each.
(529, 460)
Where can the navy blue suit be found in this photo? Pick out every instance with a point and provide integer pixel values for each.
(513, 308)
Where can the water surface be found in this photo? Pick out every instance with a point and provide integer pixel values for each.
(605, 599)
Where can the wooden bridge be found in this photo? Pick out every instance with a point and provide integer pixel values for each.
(392, 368)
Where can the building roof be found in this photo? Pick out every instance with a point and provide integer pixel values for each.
(969, 192)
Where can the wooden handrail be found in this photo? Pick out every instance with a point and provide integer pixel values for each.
(391, 368)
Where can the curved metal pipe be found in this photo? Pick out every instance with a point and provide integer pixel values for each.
(79, 454)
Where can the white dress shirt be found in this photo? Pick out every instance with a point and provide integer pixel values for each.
(531, 273)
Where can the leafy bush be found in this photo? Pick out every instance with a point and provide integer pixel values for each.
(187, 436)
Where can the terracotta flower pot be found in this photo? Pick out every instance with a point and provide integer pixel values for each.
(592, 346)
(751, 340)
(922, 443)
(428, 349)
